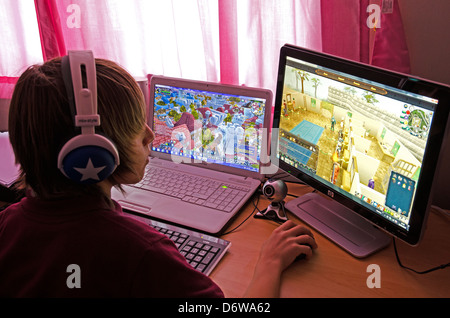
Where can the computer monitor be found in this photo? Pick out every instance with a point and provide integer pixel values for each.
(369, 139)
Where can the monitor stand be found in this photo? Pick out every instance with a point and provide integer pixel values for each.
(341, 225)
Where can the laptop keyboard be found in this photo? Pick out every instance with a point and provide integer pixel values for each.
(201, 251)
(193, 188)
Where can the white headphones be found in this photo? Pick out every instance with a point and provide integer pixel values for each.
(86, 158)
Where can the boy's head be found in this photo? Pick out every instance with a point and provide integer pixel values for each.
(41, 122)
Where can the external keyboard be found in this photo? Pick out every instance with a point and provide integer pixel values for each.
(192, 188)
(201, 251)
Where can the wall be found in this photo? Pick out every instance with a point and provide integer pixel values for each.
(427, 29)
(4, 110)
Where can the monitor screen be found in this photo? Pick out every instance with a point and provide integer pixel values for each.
(368, 138)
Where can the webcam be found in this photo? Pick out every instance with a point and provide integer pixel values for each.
(275, 191)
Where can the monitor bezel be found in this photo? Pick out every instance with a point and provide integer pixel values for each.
(420, 206)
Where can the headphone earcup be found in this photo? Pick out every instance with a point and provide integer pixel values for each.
(88, 159)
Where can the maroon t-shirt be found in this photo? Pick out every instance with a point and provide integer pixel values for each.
(80, 248)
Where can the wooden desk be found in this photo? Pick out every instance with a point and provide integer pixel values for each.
(331, 272)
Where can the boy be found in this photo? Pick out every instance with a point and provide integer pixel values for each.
(62, 225)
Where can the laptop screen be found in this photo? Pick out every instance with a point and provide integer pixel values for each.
(208, 126)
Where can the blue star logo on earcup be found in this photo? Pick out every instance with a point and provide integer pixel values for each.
(89, 164)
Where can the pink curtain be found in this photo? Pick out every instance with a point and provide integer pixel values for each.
(19, 43)
(171, 37)
(260, 29)
(390, 49)
(228, 45)
(344, 31)
(231, 41)
(7, 86)
(347, 32)
(50, 29)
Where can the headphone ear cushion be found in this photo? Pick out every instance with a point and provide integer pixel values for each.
(88, 159)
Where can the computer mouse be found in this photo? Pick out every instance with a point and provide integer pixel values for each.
(302, 255)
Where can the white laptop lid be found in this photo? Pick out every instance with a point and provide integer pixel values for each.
(216, 126)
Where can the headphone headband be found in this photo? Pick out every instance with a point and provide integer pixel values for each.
(88, 157)
(84, 84)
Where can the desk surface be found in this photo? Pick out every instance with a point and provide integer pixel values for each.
(332, 272)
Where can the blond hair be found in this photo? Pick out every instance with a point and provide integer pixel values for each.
(40, 122)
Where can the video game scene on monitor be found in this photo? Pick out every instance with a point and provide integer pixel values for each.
(208, 126)
(360, 140)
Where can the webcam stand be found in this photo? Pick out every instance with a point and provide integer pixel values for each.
(275, 212)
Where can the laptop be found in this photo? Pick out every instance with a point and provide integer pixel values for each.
(206, 160)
